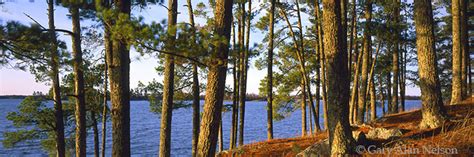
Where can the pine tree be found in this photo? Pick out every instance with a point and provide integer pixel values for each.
(216, 80)
(340, 136)
(433, 112)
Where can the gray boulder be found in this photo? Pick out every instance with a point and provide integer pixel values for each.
(318, 149)
(382, 133)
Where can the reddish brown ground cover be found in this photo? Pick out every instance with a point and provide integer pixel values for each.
(456, 133)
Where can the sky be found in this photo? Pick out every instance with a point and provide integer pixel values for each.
(17, 82)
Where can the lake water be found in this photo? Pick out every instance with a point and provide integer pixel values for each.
(145, 129)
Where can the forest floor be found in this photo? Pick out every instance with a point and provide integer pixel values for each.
(457, 135)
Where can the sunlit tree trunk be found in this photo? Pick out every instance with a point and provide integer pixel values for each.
(402, 77)
(317, 127)
(371, 91)
(108, 53)
(216, 80)
(353, 45)
(80, 103)
(58, 107)
(195, 86)
(270, 73)
(456, 92)
(303, 109)
(168, 82)
(365, 64)
(243, 76)
(340, 136)
(433, 112)
(322, 63)
(301, 58)
(221, 137)
(235, 97)
(395, 53)
(119, 78)
(355, 87)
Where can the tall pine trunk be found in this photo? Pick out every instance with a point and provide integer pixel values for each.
(270, 73)
(317, 126)
(389, 92)
(301, 58)
(382, 94)
(216, 80)
(365, 63)
(340, 136)
(353, 33)
(395, 62)
(243, 75)
(322, 63)
(195, 86)
(80, 103)
(303, 109)
(300, 55)
(465, 71)
(108, 53)
(371, 91)
(456, 92)
(353, 45)
(433, 112)
(119, 76)
(58, 107)
(95, 131)
(221, 137)
(355, 87)
(235, 96)
(168, 82)
(402, 77)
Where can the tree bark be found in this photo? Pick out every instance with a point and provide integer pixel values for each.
(389, 92)
(373, 98)
(395, 62)
(270, 73)
(195, 86)
(302, 60)
(303, 109)
(96, 134)
(456, 92)
(353, 45)
(235, 97)
(340, 136)
(58, 107)
(168, 83)
(80, 103)
(382, 95)
(402, 77)
(216, 80)
(221, 141)
(353, 34)
(108, 53)
(243, 76)
(317, 126)
(365, 63)
(119, 78)
(355, 87)
(464, 48)
(433, 112)
(322, 63)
